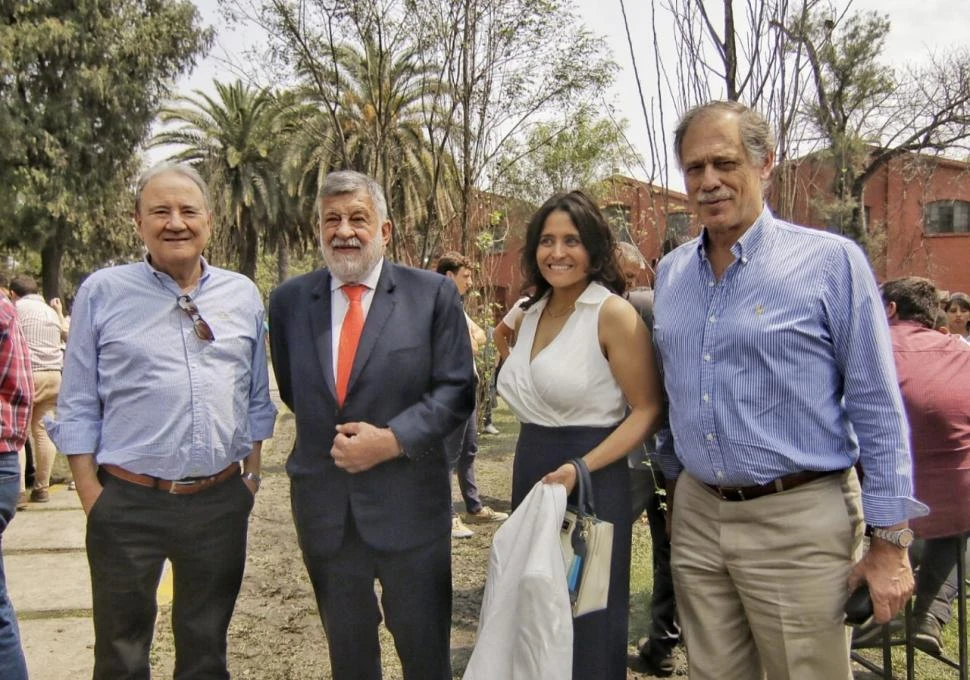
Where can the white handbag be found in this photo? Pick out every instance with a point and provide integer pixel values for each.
(587, 548)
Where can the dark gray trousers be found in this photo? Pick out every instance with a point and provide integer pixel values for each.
(131, 531)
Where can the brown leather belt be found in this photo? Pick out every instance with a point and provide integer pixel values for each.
(180, 487)
(786, 483)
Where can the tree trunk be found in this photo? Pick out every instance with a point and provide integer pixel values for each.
(282, 261)
(466, 131)
(249, 252)
(248, 243)
(730, 53)
(858, 229)
(51, 256)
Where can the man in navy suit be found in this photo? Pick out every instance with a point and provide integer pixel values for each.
(369, 477)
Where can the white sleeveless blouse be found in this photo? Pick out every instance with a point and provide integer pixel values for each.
(569, 382)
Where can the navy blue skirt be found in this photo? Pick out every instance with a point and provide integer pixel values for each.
(599, 638)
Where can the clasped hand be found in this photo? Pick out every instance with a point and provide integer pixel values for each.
(360, 446)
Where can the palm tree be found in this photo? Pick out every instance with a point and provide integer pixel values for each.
(365, 106)
(386, 96)
(230, 138)
(312, 149)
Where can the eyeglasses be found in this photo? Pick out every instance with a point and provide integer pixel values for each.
(201, 328)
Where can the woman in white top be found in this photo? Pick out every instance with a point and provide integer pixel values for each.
(583, 381)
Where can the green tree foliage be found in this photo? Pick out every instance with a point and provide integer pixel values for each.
(363, 96)
(79, 87)
(384, 93)
(558, 156)
(518, 61)
(426, 96)
(230, 138)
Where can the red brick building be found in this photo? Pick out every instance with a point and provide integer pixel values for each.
(916, 206)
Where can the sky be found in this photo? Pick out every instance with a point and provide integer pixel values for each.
(918, 28)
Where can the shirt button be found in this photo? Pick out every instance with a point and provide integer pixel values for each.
(706, 397)
(712, 318)
(719, 474)
(709, 436)
(710, 284)
(744, 260)
(707, 357)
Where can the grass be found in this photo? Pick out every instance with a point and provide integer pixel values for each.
(925, 667)
(641, 581)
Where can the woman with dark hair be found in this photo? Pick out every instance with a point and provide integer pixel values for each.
(583, 381)
(958, 314)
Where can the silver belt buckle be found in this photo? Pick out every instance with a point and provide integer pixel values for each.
(181, 482)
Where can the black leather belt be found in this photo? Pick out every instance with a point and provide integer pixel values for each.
(786, 483)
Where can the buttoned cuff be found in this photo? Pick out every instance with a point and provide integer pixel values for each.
(72, 438)
(262, 423)
(882, 511)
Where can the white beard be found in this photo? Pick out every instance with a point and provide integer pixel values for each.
(352, 268)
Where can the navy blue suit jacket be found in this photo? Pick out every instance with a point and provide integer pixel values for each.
(413, 373)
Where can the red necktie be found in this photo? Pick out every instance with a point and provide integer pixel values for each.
(349, 338)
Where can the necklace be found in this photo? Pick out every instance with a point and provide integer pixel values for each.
(556, 315)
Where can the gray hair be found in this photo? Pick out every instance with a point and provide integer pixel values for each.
(350, 182)
(165, 168)
(628, 252)
(756, 136)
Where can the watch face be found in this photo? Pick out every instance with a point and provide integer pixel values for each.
(901, 537)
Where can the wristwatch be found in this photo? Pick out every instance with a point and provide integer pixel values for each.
(253, 477)
(901, 538)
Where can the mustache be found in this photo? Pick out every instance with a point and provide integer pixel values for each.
(711, 196)
(352, 242)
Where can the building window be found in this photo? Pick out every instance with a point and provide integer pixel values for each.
(676, 230)
(947, 217)
(618, 217)
(492, 238)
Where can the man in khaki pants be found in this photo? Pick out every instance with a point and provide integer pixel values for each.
(45, 332)
(779, 375)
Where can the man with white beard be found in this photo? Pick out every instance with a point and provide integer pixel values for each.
(375, 361)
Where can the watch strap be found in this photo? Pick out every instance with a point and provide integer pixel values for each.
(901, 538)
(253, 477)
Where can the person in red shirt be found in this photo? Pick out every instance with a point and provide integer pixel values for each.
(934, 377)
(16, 399)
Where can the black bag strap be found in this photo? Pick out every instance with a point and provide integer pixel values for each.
(584, 489)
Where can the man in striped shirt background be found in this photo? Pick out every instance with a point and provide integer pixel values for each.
(45, 334)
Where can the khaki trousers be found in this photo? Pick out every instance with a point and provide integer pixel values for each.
(761, 584)
(47, 385)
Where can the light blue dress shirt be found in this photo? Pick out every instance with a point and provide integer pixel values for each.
(141, 391)
(783, 365)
